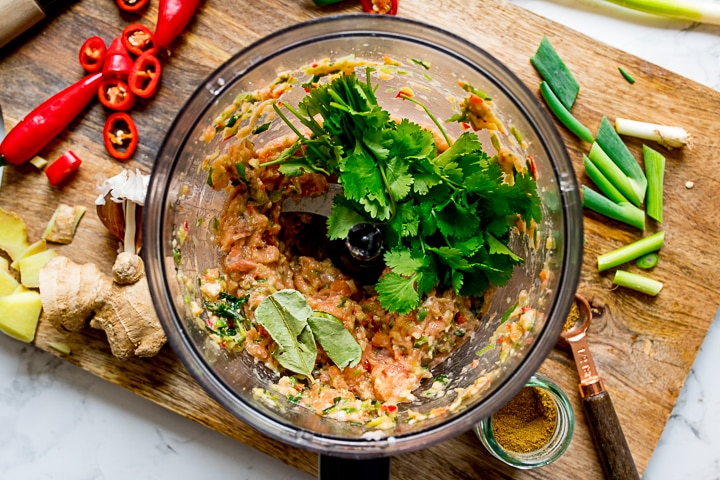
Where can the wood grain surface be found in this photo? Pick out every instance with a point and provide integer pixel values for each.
(643, 347)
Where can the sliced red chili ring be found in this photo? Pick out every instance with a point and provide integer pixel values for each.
(388, 7)
(120, 136)
(61, 168)
(115, 94)
(145, 75)
(92, 54)
(117, 60)
(139, 39)
(131, 5)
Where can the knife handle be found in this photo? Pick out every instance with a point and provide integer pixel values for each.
(615, 456)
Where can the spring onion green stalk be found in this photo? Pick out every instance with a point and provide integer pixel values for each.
(631, 251)
(602, 182)
(616, 149)
(648, 261)
(626, 75)
(622, 212)
(554, 71)
(655, 171)
(639, 283)
(613, 174)
(666, 135)
(563, 114)
(692, 10)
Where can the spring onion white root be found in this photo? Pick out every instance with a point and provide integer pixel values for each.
(666, 135)
(692, 10)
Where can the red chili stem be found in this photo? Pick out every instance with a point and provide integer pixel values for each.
(47, 120)
(173, 17)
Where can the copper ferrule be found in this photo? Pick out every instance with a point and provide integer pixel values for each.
(590, 382)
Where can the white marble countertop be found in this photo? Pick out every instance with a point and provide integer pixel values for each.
(59, 422)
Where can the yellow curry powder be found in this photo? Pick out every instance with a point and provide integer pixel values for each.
(527, 422)
(572, 317)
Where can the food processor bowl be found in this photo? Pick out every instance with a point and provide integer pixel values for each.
(180, 201)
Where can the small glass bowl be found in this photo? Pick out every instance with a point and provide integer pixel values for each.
(552, 450)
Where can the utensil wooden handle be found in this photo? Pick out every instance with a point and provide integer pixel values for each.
(615, 456)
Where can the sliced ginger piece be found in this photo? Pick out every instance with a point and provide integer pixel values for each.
(4, 264)
(21, 288)
(62, 225)
(13, 234)
(8, 283)
(19, 315)
(30, 267)
(37, 247)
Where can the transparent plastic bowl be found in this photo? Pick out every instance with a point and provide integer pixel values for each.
(178, 196)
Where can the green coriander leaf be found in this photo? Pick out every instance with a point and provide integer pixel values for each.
(457, 280)
(402, 262)
(343, 218)
(360, 175)
(452, 257)
(284, 315)
(397, 293)
(411, 141)
(458, 220)
(496, 247)
(335, 339)
(399, 181)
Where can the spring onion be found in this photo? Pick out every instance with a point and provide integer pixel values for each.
(613, 145)
(666, 135)
(613, 174)
(626, 75)
(639, 283)
(692, 10)
(602, 181)
(648, 261)
(622, 212)
(554, 71)
(563, 114)
(631, 251)
(655, 171)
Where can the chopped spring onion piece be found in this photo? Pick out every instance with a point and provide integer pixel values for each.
(637, 282)
(692, 10)
(666, 135)
(616, 149)
(622, 212)
(613, 174)
(631, 251)
(602, 182)
(554, 71)
(648, 261)
(626, 75)
(655, 171)
(564, 115)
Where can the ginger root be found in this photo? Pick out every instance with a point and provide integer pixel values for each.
(120, 305)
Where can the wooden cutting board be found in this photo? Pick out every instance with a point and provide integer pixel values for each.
(643, 347)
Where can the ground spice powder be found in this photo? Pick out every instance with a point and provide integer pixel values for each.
(527, 422)
(572, 317)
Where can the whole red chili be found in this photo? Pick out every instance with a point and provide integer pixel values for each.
(173, 17)
(47, 120)
(61, 168)
(115, 94)
(92, 54)
(120, 136)
(131, 5)
(117, 60)
(388, 7)
(145, 75)
(139, 39)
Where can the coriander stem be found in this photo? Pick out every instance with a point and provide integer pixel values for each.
(630, 251)
(429, 114)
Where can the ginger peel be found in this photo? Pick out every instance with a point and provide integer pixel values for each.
(120, 305)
